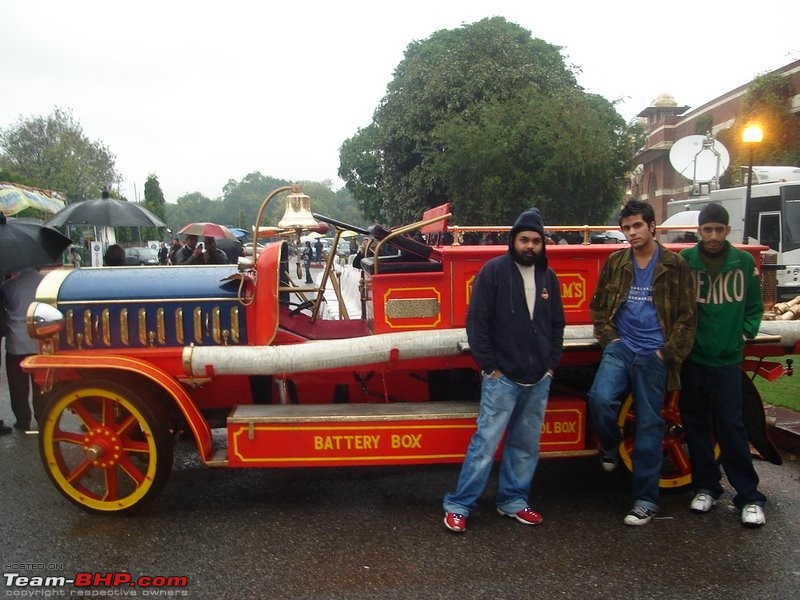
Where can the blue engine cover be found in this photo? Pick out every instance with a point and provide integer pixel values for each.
(151, 307)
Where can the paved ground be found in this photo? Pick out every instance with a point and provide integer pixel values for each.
(377, 533)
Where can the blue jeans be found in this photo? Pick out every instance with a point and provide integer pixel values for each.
(711, 403)
(624, 372)
(505, 405)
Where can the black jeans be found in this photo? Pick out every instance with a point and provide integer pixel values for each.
(711, 408)
(19, 389)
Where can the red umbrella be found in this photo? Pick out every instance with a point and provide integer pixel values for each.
(208, 230)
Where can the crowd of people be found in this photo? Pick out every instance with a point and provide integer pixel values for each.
(190, 251)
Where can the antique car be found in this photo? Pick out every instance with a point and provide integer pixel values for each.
(254, 366)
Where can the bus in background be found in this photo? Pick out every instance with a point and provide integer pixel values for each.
(771, 218)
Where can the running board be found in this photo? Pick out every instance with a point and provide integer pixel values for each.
(315, 435)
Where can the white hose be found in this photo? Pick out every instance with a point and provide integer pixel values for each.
(328, 354)
(200, 361)
(788, 330)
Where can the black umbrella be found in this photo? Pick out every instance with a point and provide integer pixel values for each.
(106, 212)
(233, 249)
(28, 243)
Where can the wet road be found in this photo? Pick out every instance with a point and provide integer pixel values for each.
(377, 533)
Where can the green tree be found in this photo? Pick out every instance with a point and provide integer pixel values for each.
(189, 208)
(155, 203)
(492, 120)
(53, 152)
(241, 201)
(360, 166)
(768, 102)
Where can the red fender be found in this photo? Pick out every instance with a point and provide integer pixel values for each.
(198, 425)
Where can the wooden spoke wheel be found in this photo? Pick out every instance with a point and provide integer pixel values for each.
(676, 469)
(105, 447)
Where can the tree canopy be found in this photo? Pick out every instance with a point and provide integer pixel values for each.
(53, 152)
(154, 202)
(241, 200)
(768, 103)
(492, 120)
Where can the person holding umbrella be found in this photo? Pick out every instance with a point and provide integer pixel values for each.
(188, 250)
(207, 253)
(209, 231)
(18, 291)
(25, 244)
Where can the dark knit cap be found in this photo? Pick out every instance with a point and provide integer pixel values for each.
(530, 220)
(713, 213)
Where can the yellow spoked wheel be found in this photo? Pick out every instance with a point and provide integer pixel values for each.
(105, 448)
(676, 469)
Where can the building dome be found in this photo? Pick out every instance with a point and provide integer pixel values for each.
(664, 100)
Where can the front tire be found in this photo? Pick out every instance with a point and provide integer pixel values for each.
(106, 448)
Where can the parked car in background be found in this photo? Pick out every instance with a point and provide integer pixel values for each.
(610, 236)
(141, 256)
(343, 249)
(248, 248)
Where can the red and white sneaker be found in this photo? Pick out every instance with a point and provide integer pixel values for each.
(455, 522)
(526, 516)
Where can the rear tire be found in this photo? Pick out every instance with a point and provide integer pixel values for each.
(676, 468)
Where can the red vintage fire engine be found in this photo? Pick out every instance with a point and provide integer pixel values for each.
(241, 359)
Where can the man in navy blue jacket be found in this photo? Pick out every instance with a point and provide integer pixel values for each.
(515, 327)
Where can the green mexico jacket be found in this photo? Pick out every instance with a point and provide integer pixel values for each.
(729, 307)
(673, 295)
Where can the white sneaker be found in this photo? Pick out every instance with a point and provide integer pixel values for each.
(702, 503)
(753, 516)
(609, 460)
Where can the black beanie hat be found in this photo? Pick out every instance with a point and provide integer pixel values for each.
(530, 220)
(713, 213)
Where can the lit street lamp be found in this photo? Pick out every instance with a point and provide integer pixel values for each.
(751, 136)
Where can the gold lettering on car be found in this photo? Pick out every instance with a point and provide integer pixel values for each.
(559, 427)
(346, 442)
(408, 440)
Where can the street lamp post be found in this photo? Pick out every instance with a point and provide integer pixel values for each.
(751, 136)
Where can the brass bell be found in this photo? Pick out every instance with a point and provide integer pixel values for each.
(298, 212)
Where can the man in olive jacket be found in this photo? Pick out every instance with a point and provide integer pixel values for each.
(643, 311)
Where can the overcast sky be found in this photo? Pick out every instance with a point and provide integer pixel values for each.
(201, 92)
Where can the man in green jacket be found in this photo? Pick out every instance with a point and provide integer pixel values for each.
(643, 311)
(729, 309)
